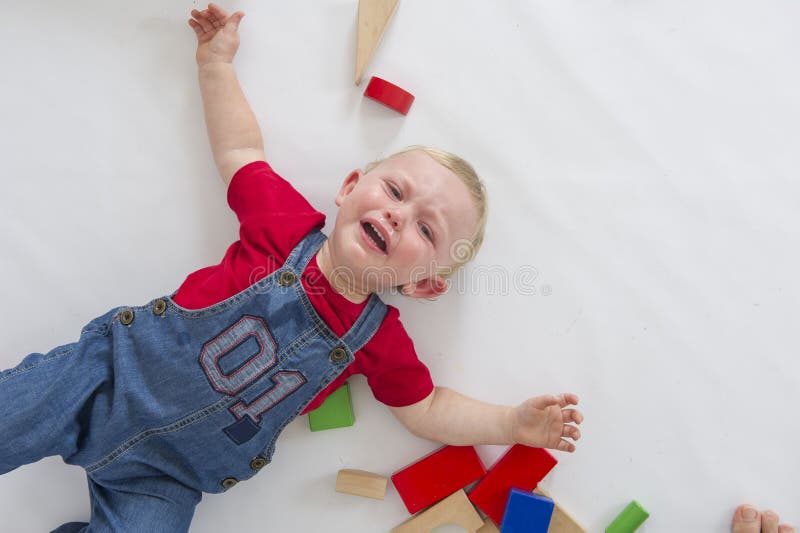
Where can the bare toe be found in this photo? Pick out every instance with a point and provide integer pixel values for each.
(785, 528)
(746, 520)
(769, 522)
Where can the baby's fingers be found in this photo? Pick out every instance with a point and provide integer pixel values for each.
(562, 400)
(571, 432)
(568, 398)
(202, 18)
(565, 446)
(196, 27)
(571, 415)
(217, 12)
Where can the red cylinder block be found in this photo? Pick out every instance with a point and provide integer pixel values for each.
(389, 95)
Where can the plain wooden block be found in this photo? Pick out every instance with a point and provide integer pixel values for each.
(361, 483)
(455, 509)
(373, 16)
(561, 522)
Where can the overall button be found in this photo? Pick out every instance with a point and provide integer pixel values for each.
(159, 306)
(287, 278)
(126, 317)
(258, 463)
(229, 482)
(338, 355)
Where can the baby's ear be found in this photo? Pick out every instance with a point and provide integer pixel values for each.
(426, 288)
(348, 185)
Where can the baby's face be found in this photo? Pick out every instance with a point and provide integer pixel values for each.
(397, 223)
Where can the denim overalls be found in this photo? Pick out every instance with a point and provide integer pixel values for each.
(159, 403)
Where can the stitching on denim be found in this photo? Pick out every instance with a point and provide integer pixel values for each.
(301, 341)
(183, 423)
(322, 327)
(299, 256)
(311, 244)
(379, 307)
(101, 330)
(17, 371)
(375, 330)
(220, 307)
(327, 380)
(325, 330)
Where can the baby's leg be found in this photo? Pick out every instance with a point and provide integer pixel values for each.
(152, 504)
(45, 401)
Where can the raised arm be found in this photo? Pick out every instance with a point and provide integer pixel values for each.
(232, 128)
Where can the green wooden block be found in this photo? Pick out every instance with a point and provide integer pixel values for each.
(335, 412)
(629, 519)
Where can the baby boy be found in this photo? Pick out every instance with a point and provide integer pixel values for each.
(189, 392)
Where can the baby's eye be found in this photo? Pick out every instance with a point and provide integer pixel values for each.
(426, 231)
(394, 191)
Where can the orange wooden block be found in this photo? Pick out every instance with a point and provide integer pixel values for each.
(561, 522)
(373, 16)
(455, 509)
(361, 483)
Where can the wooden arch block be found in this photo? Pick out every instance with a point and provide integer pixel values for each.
(373, 16)
(455, 509)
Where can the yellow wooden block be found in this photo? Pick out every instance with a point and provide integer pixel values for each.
(373, 16)
(361, 483)
(455, 509)
(488, 527)
(561, 522)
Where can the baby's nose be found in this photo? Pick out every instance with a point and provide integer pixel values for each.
(393, 218)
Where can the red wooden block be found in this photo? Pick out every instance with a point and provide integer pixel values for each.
(389, 95)
(521, 467)
(437, 475)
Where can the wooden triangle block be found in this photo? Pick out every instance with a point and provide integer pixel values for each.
(373, 16)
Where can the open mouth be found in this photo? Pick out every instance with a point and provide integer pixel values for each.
(374, 235)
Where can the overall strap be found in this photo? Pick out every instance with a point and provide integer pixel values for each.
(367, 324)
(371, 316)
(299, 257)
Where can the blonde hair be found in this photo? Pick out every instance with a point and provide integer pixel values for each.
(461, 251)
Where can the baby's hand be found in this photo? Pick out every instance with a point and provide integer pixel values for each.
(543, 422)
(217, 34)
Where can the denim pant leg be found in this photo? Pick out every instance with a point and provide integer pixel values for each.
(71, 527)
(153, 504)
(42, 399)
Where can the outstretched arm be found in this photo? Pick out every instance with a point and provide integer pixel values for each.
(232, 128)
(451, 418)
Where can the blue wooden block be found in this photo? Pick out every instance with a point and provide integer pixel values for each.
(527, 513)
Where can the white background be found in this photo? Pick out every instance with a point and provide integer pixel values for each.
(641, 156)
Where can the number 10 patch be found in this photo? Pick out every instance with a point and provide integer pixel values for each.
(236, 380)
